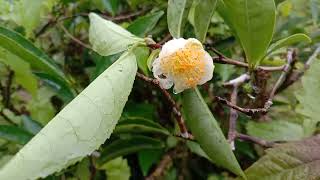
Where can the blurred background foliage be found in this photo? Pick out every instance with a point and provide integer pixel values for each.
(144, 137)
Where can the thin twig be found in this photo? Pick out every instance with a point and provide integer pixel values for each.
(237, 81)
(175, 107)
(312, 58)
(7, 89)
(255, 140)
(74, 38)
(290, 58)
(233, 117)
(247, 111)
(222, 59)
(163, 165)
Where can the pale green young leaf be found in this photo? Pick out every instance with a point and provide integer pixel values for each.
(294, 161)
(275, 130)
(207, 131)
(117, 169)
(80, 128)
(108, 38)
(252, 22)
(203, 12)
(296, 38)
(307, 97)
(177, 14)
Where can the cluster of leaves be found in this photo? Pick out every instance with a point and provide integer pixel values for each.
(76, 111)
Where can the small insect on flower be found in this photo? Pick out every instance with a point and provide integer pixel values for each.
(183, 63)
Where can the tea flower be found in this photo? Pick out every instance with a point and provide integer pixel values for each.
(182, 63)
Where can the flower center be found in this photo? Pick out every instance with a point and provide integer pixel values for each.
(186, 65)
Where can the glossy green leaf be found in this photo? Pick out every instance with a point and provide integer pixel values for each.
(203, 12)
(296, 38)
(147, 158)
(195, 148)
(177, 14)
(140, 126)
(307, 97)
(145, 24)
(207, 131)
(252, 21)
(294, 161)
(128, 145)
(275, 130)
(80, 128)
(108, 38)
(14, 134)
(24, 49)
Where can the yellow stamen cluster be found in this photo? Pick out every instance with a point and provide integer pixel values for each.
(185, 65)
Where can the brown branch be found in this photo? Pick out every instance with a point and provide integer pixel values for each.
(92, 168)
(247, 111)
(175, 107)
(74, 38)
(7, 90)
(255, 140)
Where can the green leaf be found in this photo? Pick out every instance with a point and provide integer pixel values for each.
(207, 131)
(80, 128)
(117, 169)
(296, 38)
(203, 12)
(142, 54)
(107, 38)
(31, 125)
(15, 134)
(141, 26)
(177, 14)
(128, 145)
(275, 130)
(24, 49)
(147, 158)
(294, 161)
(195, 148)
(307, 97)
(139, 126)
(22, 72)
(252, 21)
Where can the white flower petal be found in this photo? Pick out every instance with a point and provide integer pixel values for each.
(172, 46)
(209, 67)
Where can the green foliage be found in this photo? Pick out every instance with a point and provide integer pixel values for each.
(101, 102)
(252, 21)
(296, 38)
(138, 125)
(177, 14)
(276, 130)
(128, 144)
(203, 12)
(207, 131)
(308, 104)
(108, 38)
(145, 24)
(23, 73)
(22, 48)
(117, 169)
(296, 160)
(15, 134)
